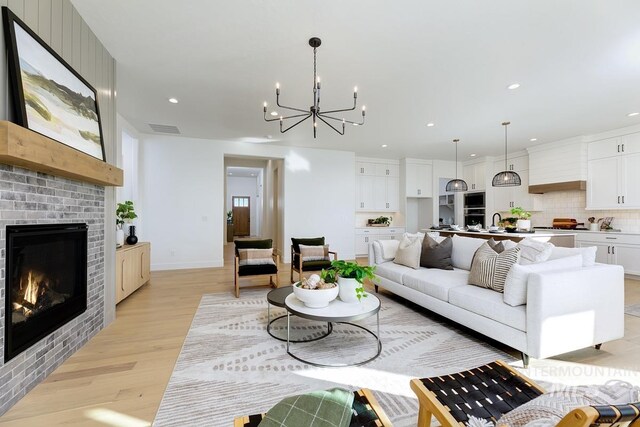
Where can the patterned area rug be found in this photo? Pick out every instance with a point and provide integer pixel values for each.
(632, 310)
(230, 366)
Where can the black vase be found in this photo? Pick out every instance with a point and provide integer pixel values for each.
(132, 239)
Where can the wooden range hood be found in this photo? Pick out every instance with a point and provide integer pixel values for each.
(558, 186)
(22, 147)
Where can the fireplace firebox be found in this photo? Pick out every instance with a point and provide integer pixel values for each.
(46, 281)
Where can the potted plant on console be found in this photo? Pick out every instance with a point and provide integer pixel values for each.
(125, 213)
(350, 277)
(524, 218)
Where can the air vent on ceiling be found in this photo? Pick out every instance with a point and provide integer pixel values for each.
(164, 128)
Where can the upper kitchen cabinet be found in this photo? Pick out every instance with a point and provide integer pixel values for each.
(418, 178)
(475, 175)
(558, 166)
(377, 185)
(614, 173)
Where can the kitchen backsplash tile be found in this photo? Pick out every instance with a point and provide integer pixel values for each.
(571, 204)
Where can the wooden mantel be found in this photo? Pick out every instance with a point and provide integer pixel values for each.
(22, 147)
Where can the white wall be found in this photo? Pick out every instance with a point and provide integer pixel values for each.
(182, 195)
(241, 186)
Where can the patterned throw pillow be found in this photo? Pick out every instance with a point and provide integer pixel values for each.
(408, 252)
(489, 269)
(255, 257)
(314, 253)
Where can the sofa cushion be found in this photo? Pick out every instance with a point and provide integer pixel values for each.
(435, 282)
(463, 250)
(588, 254)
(252, 270)
(436, 255)
(252, 244)
(488, 303)
(255, 257)
(314, 253)
(532, 251)
(490, 269)
(408, 252)
(385, 250)
(515, 287)
(392, 271)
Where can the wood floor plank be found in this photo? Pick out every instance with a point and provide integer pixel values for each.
(124, 370)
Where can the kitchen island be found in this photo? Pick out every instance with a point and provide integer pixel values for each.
(564, 239)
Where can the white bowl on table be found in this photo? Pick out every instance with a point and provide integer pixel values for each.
(315, 298)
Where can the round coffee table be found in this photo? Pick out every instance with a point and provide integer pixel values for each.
(277, 297)
(336, 312)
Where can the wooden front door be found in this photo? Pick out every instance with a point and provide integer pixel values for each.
(241, 206)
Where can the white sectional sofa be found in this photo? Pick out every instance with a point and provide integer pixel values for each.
(565, 310)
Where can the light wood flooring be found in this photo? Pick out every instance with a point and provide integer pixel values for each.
(118, 378)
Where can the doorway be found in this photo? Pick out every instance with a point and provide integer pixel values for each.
(241, 209)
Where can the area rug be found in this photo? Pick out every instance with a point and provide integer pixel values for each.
(229, 366)
(632, 310)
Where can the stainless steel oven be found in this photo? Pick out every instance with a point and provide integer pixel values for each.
(474, 200)
(474, 209)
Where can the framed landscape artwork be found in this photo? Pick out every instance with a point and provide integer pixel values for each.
(50, 97)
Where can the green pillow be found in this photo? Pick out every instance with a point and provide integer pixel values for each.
(326, 408)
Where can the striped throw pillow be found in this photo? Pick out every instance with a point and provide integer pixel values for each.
(489, 268)
(314, 253)
(255, 257)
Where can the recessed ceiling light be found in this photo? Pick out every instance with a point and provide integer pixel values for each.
(384, 145)
(513, 86)
(472, 155)
(430, 125)
(632, 114)
(533, 139)
(356, 124)
(274, 113)
(173, 100)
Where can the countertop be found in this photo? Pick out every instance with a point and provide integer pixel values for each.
(635, 233)
(538, 233)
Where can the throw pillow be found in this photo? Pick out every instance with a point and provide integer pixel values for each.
(412, 235)
(515, 287)
(496, 246)
(389, 248)
(409, 252)
(255, 257)
(532, 251)
(314, 253)
(588, 254)
(490, 269)
(463, 250)
(436, 255)
(549, 408)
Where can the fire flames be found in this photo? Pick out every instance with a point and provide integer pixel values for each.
(30, 291)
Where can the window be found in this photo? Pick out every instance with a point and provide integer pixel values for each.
(240, 202)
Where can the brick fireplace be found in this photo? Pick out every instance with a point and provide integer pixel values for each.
(34, 198)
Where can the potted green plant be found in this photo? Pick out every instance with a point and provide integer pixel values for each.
(124, 213)
(381, 221)
(229, 217)
(350, 277)
(509, 224)
(524, 218)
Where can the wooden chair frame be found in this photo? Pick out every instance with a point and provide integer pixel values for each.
(298, 268)
(383, 420)
(602, 416)
(236, 282)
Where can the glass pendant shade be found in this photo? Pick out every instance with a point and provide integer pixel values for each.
(506, 178)
(456, 184)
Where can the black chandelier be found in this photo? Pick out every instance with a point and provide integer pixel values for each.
(314, 111)
(456, 184)
(506, 178)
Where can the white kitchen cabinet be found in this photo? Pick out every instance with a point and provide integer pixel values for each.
(377, 187)
(613, 182)
(506, 198)
(615, 147)
(475, 176)
(612, 248)
(419, 180)
(366, 236)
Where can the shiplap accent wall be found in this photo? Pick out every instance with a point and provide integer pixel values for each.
(59, 24)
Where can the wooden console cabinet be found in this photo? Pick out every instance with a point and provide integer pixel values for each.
(133, 268)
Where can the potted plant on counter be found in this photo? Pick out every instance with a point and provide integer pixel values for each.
(381, 221)
(524, 218)
(350, 277)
